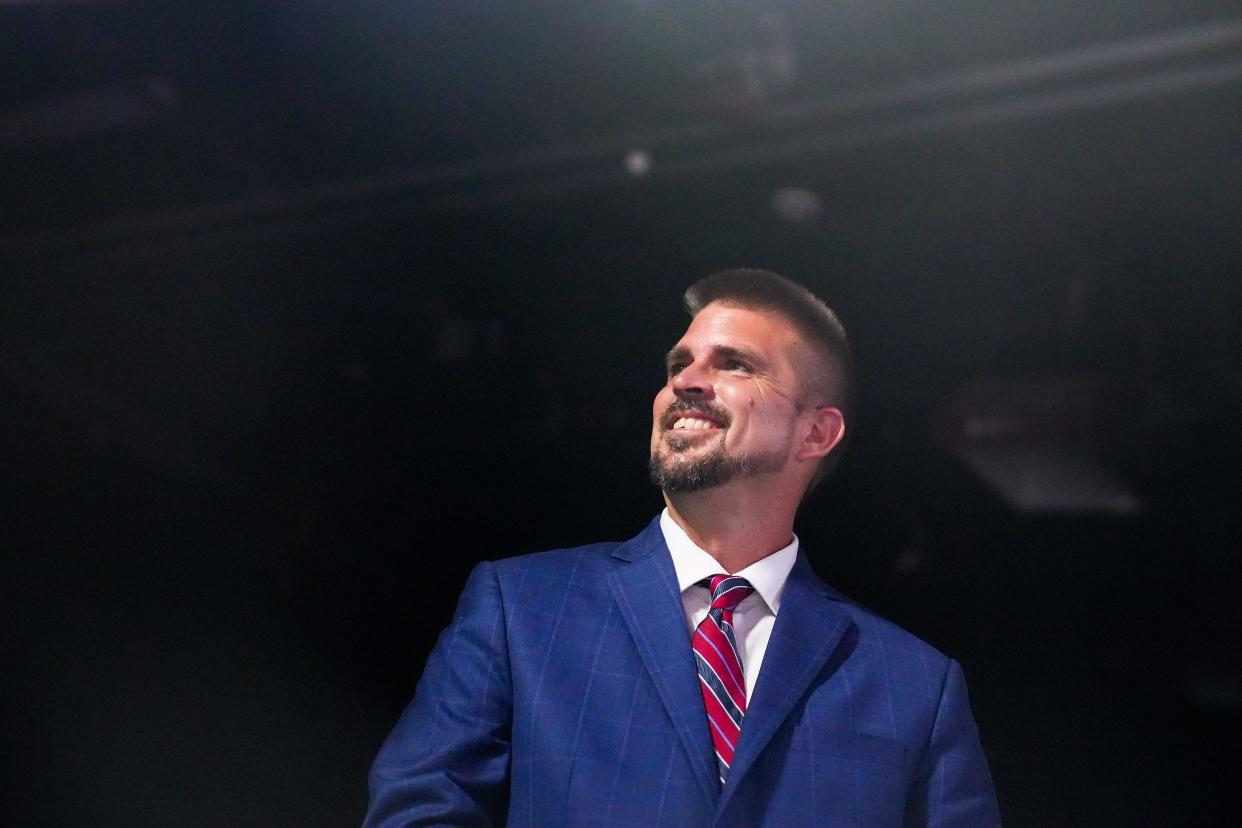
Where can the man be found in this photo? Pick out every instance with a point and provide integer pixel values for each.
(699, 674)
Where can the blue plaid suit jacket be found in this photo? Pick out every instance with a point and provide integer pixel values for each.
(564, 693)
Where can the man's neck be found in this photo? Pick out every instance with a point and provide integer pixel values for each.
(733, 528)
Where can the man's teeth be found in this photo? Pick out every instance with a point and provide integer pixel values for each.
(693, 423)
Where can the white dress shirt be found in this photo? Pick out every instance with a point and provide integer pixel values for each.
(754, 617)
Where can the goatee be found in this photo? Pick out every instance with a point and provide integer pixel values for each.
(713, 469)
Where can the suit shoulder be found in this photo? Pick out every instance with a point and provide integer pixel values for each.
(879, 631)
(551, 561)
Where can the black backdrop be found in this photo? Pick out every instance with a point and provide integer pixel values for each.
(307, 312)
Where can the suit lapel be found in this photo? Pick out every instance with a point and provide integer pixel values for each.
(807, 630)
(646, 593)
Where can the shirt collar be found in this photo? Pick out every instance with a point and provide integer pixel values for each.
(692, 564)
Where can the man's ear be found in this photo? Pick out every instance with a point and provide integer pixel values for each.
(823, 433)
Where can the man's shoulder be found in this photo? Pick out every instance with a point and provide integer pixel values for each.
(565, 558)
(540, 580)
(895, 637)
(590, 557)
(875, 630)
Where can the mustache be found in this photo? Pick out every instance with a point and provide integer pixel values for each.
(683, 407)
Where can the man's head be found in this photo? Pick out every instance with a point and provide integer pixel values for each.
(760, 384)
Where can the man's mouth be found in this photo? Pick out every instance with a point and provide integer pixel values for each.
(682, 417)
(693, 423)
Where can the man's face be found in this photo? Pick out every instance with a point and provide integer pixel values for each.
(730, 405)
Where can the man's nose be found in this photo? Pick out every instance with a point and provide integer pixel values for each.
(692, 381)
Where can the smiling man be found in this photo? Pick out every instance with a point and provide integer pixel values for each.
(699, 674)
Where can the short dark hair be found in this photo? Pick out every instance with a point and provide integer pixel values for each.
(833, 382)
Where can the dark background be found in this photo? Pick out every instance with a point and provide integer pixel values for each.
(309, 306)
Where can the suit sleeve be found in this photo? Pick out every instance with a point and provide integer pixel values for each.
(953, 786)
(447, 760)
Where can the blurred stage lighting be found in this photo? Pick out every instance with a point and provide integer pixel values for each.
(638, 163)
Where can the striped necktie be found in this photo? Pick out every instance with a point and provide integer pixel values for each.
(720, 667)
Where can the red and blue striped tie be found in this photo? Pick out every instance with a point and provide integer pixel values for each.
(720, 667)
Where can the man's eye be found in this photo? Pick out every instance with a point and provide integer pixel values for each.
(735, 365)
(674, 368)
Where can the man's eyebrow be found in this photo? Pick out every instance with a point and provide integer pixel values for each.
(680, 353)
(676, 354)
(742, 354)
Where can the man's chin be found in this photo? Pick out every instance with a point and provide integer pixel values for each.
(682, 472)
(676, 444)
(680, 441)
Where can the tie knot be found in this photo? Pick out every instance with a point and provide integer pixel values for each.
(728, 591)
